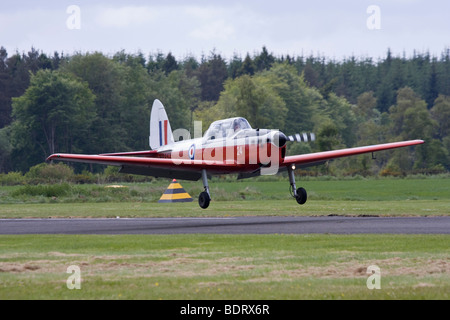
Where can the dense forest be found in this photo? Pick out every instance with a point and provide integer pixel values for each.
(93, 103)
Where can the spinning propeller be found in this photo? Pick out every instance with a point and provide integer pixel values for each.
(280, 138)
(303, 137)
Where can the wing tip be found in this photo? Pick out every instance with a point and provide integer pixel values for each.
(55, 156)
(51, 157)
(415, 142)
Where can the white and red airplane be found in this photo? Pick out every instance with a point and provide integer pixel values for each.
(229, 146)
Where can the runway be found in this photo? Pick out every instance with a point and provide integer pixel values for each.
(232, 225)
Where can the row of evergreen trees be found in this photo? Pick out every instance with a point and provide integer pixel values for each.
(92, 103)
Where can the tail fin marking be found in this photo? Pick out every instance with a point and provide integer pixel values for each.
(161, 135)
(160, 130)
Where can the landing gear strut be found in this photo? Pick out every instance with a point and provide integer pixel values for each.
(299, 194)
(204, 197)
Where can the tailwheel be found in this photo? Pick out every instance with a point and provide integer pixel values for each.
(203, 200)
(301, 196)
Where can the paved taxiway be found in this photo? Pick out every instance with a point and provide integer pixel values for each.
(232, 225)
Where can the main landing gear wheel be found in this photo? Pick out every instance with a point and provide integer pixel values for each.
(203, 200)
(300, 193)
(301, 196)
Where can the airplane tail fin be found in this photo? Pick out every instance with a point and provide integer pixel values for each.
(160, 130)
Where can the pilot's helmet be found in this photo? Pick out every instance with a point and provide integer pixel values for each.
(236, 125)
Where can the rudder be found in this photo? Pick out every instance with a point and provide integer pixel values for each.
(160, 130)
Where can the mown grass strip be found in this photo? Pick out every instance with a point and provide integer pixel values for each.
(225, 267)
(227, 209)
(353, 190)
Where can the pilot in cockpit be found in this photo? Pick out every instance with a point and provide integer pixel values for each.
(236, 125)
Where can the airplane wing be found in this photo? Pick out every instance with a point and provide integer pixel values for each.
(146, 153)
(158, 167)
(320, 157)
(188, 169)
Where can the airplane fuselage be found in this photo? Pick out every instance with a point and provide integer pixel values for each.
(248, 150)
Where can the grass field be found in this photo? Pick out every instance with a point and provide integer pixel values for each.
(225, 267)
(228, 266)
(226, 209)
(388, 197)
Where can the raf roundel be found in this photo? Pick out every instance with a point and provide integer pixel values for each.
(191, 152)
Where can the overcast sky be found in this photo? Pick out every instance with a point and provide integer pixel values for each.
(334, 29)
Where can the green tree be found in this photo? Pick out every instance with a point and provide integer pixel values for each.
(340, 111)
(5, 83)
(170, 64)
(107, 80)
(190, 65)
(301, 101)
(15, 77)
(365, 105)
(272, 110)
(251, 97)
(179, 95)
(385, 95)
(310, 75)
(328, 136)
(264, 60)
(432, 91)
(5, 149)
(249, 100)
(135, 105)
(212, 74)
(410, 117)
(155, 62)
(51, 115)
(371, 129)
(441, 114)
(235, 66)
(411, 120)
(247, 67)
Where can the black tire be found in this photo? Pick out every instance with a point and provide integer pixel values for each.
(301, 196)
(203, 200)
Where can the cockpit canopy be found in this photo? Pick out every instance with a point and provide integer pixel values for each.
(226, 128)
